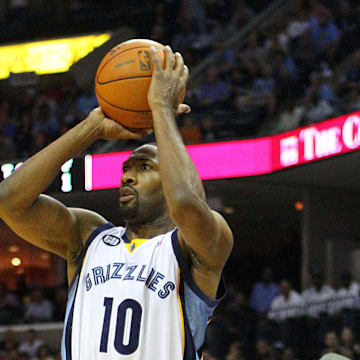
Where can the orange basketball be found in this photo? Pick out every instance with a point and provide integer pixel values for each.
(122, 82)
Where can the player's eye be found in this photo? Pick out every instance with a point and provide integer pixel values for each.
(145, 166)
(125, 168)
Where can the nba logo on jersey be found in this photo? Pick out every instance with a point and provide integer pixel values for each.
(111, 240)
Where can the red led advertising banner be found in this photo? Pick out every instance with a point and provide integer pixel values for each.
(246, 157)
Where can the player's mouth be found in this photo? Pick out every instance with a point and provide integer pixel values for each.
(126, 194)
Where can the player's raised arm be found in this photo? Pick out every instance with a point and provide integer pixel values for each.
(204, 231)
(41, 219)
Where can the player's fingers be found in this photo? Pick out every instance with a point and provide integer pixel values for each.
(155, 59)
(184, 77)
(179, 65)
(170, 59)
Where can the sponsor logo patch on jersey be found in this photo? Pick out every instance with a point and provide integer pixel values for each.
(111, 240)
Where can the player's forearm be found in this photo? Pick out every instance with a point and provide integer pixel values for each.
(22, 188)
(179, 177)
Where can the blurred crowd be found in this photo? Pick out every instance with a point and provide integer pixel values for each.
(300, 69)
(274, 321)
(30, 347)
(271, 321)
(28, 305)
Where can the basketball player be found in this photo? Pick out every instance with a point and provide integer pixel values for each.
(146, 291)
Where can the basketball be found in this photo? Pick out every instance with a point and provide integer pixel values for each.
(122, 82)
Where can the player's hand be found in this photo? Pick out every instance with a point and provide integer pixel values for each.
(168, 82)
(109, 129)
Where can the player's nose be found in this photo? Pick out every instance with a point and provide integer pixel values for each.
(129, 178)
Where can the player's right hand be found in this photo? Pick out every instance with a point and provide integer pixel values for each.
(109, 129)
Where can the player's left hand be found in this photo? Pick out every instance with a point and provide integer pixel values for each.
(168, 81)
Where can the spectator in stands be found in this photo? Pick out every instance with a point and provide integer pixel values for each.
(14, 354)
(253, 51)
(215, 91)
(23, 136)
(241, 321)
(348, 343)
(317, 109)
(31, 343)
(264, 292)
(297, 26)
(323, 30)
(288, 354)
(44, 353)
(44, 121)
(264, 350)
(352, 72)
(39, 142)
(346, 296)
(207, 355)
(8, 342)
(224, 58)
(10, 307)
(8, 150)
(38, 309)
(350, 98)
(86, 102)
(331, 342)
(236, 351)
(348, 285)
(288, 304)
(317, 295)
(264, 88)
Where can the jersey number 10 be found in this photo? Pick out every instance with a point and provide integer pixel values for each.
(127, 326)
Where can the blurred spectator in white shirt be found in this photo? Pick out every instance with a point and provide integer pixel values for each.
(31, 344)
(348, 293)
(349, 286)
(38, 309)
(288, 304)
(317, 295)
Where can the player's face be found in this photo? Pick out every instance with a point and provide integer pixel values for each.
(141, 198)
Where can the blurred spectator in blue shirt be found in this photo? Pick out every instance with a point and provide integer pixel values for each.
(323, 29)
(264, 292)
(86, 102)
(214, 90)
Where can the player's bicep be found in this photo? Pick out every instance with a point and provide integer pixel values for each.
(206, 233)
(48, 224)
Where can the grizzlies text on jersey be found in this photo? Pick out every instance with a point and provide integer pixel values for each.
(134, 300)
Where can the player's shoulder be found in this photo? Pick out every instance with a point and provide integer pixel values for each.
(88, 221)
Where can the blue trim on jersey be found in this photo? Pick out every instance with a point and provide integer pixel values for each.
(73, 290)
(188, 278)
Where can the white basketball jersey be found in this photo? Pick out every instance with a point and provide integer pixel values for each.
(134, 300)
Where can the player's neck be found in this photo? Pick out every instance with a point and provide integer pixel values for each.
(159, 226)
